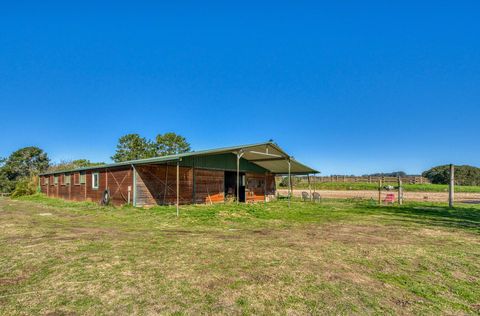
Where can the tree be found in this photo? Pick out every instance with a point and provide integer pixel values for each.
(464, 175)
(132, 147)
(22, 164)
(73, 164)
(25, 163)
(171, 144)
(5, 184)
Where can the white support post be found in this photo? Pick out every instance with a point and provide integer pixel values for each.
(238, 178)
(239, 155)
(289, 183)
(451, 186)
(178, 186)
(265, 188)
(134, 202)
(309, 187)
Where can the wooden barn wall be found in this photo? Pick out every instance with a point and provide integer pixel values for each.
(77, 190)
(116, 180)
(271, 185)
(209, 186)
(157, 184)
(255, 188)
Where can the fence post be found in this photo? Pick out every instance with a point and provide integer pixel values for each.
(379, 191)
(400, 191)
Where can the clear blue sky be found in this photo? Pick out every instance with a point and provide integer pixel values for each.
(345, 88)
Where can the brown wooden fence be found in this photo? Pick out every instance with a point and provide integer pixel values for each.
(408, 179)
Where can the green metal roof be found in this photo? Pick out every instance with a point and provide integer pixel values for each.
(266, 155)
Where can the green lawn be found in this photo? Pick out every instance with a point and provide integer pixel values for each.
(374, 186)
(337, 257)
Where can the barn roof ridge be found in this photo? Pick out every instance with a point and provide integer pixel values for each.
(175, 157)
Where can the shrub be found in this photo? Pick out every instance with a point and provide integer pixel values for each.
(464, 175)
(24, 187)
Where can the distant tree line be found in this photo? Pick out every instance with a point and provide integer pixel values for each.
(19, 172)
(387, 174)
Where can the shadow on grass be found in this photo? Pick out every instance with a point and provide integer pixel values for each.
(434, 215)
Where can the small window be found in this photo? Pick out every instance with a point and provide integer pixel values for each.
(66, 179)
(76, 178)
(55, 180)
(95, 180)
(82, 177)
(45, 180)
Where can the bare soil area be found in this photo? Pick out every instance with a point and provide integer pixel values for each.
(408, 196)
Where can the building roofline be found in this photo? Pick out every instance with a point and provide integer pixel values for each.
(176, 157)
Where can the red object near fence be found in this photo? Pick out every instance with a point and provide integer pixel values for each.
(390, 198)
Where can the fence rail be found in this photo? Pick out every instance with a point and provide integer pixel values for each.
(411, 180)
(372, 179)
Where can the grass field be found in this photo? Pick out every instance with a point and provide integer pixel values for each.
(374, 186)
(335, 257)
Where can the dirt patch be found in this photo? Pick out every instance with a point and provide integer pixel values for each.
(476, 306)
(12, 281)
(460, 197)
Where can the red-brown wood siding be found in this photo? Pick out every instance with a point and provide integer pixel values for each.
(118, 180)
(209, 186)
(156, 184)
(255, 188)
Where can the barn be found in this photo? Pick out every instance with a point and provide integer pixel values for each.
(243, 173)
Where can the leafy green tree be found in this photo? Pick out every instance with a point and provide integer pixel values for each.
(132, 147)
(22, 165)
(5, 184)
(464, 175)
(25, 163)
(171, 144)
